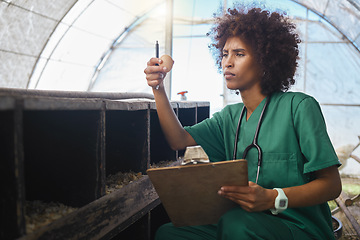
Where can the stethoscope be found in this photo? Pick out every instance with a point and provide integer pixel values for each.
(254, 142)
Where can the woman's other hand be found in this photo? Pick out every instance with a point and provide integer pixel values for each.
(252, 198)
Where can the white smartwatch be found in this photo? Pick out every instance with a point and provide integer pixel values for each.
(281, 202)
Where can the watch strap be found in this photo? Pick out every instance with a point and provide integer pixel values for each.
(281, 202)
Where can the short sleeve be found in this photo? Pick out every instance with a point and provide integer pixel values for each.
(313, 139)
(209, 135)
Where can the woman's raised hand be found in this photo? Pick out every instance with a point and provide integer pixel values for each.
(155, 72)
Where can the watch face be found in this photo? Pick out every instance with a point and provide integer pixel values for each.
(282, 203)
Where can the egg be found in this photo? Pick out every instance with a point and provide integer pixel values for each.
(167, 62)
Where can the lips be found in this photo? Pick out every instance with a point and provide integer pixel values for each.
(228, 75)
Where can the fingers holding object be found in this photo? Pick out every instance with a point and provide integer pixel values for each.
(154, 67)
(151, 75)
(155, 79)
(156, 70)
(165, 62)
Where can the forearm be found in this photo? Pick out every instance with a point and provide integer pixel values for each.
(254, 198)
(325, 187)
(174, 132)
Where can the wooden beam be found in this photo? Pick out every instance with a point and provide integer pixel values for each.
(117, 210)
(349, 216)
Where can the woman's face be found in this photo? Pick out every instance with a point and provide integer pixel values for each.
(240, 69)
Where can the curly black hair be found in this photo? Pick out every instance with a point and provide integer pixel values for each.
(272, 38)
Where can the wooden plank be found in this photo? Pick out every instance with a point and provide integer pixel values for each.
(43, 103)
(95, 220)
(348, 231)
(146, 150)
(349, 216)
(12, 173)
(355, 157)
(73, 94)
(186, 104)
(101, 155)
(129, 105)
(192, 104)
(7, 103)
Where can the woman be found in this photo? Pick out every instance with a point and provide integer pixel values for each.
(286, 196)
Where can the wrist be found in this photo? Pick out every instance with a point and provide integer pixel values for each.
(281, 202)
(158, 88)
(273, 194)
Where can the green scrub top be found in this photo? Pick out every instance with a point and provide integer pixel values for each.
(294, 143)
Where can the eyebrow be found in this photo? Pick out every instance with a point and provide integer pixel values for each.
(236, 50)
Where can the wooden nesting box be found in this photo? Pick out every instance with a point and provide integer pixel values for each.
(61, 146)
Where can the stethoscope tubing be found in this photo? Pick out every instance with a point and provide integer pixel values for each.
(255, 140)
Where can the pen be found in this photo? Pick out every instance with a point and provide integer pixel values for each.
(157, 49)
(157, 56)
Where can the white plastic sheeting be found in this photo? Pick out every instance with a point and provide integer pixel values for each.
(124, 69)
(344, 14)
(91, 30)
(25, 27)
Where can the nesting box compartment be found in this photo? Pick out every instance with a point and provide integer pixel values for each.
(62, 156)
(62, 147)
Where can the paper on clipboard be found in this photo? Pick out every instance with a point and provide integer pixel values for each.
(189, 193)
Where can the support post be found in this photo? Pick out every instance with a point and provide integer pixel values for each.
(169, 41)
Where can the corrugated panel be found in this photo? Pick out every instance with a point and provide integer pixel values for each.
(15, 69)
(22, 31)
(345, 17)
(53, 9)
(334, 81)
(25, 27)
(343, 14)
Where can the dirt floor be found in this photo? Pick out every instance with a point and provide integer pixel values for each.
(351, 186)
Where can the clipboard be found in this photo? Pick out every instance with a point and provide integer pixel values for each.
(189, 193)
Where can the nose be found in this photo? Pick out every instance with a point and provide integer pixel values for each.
(228, 62)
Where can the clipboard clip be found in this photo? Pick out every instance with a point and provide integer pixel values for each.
(192, 161)
(195, 155)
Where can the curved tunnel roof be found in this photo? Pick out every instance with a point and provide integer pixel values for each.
(27, 27)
